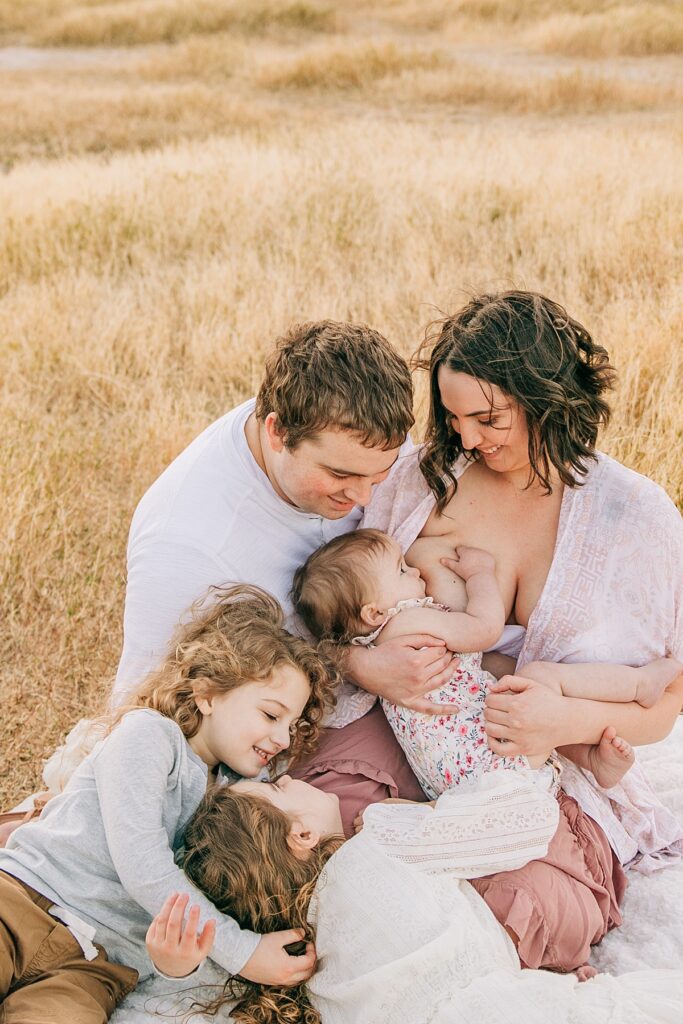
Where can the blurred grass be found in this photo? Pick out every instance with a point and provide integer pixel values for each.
(136, 22)
(168, 208)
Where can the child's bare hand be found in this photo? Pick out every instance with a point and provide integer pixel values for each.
(469, 561)
(173, 944)
(270, 964)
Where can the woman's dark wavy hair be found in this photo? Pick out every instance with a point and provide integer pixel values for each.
(529, 347)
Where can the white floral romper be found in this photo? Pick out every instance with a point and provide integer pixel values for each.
(445, 751)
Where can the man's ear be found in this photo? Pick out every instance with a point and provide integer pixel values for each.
(371, 615)
(302, 840)
(275, 436)
(203, 695)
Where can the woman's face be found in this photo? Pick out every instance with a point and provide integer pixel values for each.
(487, 420)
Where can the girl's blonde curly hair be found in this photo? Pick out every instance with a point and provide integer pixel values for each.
(235, 637)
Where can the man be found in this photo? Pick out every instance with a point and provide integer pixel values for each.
(262, 488)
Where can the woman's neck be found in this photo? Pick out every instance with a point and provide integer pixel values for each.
(518, 481)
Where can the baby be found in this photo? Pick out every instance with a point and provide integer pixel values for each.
(360, 589)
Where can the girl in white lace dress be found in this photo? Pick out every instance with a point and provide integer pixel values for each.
(360, 589)
(401, 937)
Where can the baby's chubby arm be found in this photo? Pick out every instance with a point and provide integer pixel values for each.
(473, 629)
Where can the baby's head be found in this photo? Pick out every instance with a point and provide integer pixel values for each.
(346, 587)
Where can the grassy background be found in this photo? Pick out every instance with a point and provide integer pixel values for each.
(181, 181)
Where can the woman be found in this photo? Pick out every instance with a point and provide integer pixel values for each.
(401, 937)
(589, 559)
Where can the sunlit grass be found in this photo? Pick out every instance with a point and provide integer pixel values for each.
(637, 31)
(167, 212)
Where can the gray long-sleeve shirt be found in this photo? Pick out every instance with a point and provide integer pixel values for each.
(104, 848)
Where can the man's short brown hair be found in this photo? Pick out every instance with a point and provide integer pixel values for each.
(345, 376)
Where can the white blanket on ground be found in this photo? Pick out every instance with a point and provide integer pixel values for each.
(651, 935)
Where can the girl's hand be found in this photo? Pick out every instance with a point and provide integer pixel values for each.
(271, 964)
(173, 945)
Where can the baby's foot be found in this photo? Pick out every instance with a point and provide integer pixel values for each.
(585, 973)
(655, 678)
(610, 759)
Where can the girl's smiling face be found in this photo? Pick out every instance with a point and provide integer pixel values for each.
(248, 726)
(488, 421)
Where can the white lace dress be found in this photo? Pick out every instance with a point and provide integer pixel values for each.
(402, 938)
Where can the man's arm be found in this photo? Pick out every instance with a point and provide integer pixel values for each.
(164, 579)
(403, 670)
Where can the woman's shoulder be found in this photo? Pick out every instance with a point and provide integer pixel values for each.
(617, 481)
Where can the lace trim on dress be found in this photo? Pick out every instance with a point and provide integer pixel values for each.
(412, 602)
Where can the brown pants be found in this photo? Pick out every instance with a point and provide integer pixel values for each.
(44, 977)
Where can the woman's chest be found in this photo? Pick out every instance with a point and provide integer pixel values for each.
(519, 531)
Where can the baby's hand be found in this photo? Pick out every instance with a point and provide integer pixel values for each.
(173, 945)
(469, 561)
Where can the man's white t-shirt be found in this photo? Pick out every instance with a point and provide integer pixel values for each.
(212, 518)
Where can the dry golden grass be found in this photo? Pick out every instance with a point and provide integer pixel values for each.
(643, 30)
(345, 65)
(165, 215)
(134, 22)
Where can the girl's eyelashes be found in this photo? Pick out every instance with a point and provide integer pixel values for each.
(272, 718)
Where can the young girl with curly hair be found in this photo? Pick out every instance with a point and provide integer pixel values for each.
(80, 885)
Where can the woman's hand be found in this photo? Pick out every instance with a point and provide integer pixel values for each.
(403, 670)
(174, 946)
(528, 716)
(271, 964)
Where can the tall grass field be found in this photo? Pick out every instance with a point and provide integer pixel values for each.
(181, 181)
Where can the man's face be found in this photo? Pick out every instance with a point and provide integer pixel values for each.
(326, 475)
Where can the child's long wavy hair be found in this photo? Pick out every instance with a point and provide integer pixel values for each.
(236, 852)
(237, 638)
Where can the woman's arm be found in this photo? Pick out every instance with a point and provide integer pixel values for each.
(531, 717)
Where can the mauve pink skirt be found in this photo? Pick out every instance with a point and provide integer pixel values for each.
(558, 907)
(562, 905)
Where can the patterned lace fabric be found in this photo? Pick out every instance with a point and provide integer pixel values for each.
(402, 938)
(413, 602)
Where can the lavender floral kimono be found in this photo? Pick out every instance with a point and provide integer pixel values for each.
(614, 593)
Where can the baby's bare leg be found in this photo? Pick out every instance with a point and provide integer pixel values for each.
(617, 683)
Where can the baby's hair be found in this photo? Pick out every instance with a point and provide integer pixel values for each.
(235, 637)
(331, 587)
(236, 852)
